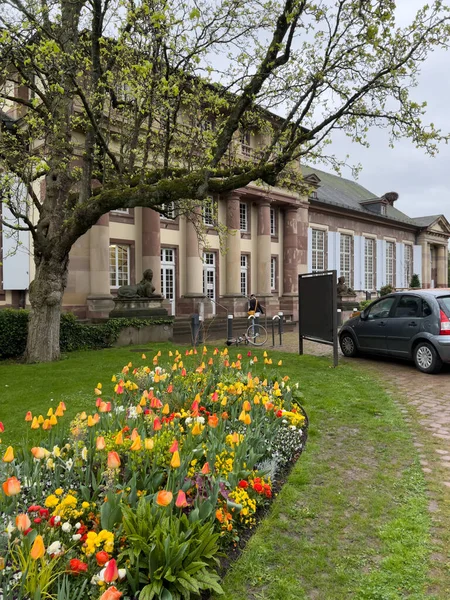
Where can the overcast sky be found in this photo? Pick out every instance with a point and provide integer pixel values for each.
(423, 183)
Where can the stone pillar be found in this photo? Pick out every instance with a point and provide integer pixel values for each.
(426, 264)
(233, 256)
(99, 302)
(151, 245)
(235, 303)
(442, 266)
(291, 255)
(263, 251)
(194, 271)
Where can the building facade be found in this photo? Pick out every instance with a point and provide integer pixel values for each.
(271, 237)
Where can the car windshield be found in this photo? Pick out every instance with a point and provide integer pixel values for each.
(444, 302)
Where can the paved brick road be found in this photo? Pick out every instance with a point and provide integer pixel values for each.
(428, 394)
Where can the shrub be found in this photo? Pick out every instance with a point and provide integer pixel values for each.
(415, 281)
(74, 335)
(364, 304)
(386, 289)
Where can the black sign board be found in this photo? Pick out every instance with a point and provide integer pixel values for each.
(317, 309)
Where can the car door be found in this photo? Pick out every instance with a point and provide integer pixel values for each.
(404, 323)
(371, 328)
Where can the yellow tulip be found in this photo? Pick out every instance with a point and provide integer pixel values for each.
(149, 443)
(119, 439)
(136, 445)
(38, 548)
(197, 429)
(175, 462)
(9, 455)
(35, 423)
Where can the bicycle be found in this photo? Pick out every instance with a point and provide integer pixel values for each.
(256, 335)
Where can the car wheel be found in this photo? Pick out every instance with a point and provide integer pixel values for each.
(348, 345)
(426, 358)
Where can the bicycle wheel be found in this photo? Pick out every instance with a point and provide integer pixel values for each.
(257, 335)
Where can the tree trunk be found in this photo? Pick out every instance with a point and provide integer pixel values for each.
(46, 293)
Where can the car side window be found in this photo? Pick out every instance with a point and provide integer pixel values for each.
(408, 306)
(426, 309)
(381, 309)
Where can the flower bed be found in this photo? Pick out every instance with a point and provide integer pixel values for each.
(138, 498)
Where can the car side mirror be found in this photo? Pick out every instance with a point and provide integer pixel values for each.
(364, 315)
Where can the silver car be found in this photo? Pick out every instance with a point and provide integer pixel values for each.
(412, 325)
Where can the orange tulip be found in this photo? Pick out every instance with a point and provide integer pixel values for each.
(247, 419)
(181, 500)
(100, 443)
(157, 424)
(62, 405)
(224, 415)
(38, 548)
(39, 452)
(113, 460)
(134, 434)
(59, 412)
(164, 498)
(11, 486)
(247, 406)
(213, 420)
(23, 522)
(174, 447)
(28, 416)
(46, 425)
(111, 571)
(175, 462)
(119, 439)
(206, 469)
(136, 445)
(111, 593)
(9, 455)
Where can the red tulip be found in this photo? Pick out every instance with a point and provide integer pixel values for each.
(102, 558)
(77, 566)
(111, 571)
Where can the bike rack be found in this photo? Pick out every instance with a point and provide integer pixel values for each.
(279, 318)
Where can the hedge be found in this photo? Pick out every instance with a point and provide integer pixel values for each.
(74, 335)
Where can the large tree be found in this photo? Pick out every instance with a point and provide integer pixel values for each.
(125, 103)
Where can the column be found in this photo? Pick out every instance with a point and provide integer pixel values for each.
(263, 250)
(99, 301)
(442, 266)
(151, 245)
(290, 251)
(233, 255)
(426, 264)
(194, 264)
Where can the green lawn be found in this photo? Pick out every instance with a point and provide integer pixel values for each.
(352, 520)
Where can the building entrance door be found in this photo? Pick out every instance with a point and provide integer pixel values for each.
(209, 277)
(168, 276)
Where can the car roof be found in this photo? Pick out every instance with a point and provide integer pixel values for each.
(436, 292)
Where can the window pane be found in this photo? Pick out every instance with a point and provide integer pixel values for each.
(273, 229)
(119, 265)
(381, 309)
(318, 250)
(243, 217)
(408, 306)
(369, 262)
(390, 253)
(273, 273)
(346, 258)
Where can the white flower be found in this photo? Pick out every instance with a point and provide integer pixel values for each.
(69, 464)
(122, 574)
(120, 409)
(132, 414)
(293, 427)
(57, 519)
(188, 420)
(77, 525)
(50, 463)
(84, 453)
(95, 579)
(251, 362)
(76, 537)
(9, 528)
(200, 420)
(66, 527)
(55, 548)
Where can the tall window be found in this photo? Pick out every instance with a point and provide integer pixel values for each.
(273, 273)
(119, 265)
(346, 259)
(369, 264)
(243, 216)
(244, 274)
(408, 264)
(245, 143)
(390, 254)
(318, 250)
(273, 222)
(209, 210)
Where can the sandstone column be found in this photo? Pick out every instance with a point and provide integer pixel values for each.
(99, 301)
(151, 245)
(194, 271)
(233, 256)
(290, 252)
(442, 266)
(426, 265)
(263, 250)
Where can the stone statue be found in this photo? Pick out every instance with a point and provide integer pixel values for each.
(343, 289)
(144, 289)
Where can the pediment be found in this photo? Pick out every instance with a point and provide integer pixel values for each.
(312, 179)
(441, 225)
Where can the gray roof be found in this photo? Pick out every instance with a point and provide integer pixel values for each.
(425, 221)
(345, 193)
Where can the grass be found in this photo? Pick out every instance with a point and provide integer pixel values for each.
(352, 519)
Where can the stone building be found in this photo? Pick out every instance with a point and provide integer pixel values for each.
(273, 235)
